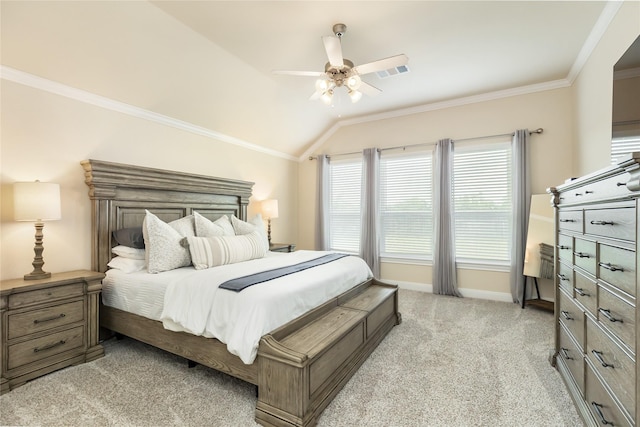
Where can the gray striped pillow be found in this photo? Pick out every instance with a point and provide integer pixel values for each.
(207, 252)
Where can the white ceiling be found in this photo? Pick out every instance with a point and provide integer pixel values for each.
(210, 63)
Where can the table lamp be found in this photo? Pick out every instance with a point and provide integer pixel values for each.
(37, 202)
(270, 210)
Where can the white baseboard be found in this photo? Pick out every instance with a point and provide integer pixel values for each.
(466, 292)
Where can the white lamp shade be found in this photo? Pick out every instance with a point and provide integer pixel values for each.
(270, 208)
(36, 201)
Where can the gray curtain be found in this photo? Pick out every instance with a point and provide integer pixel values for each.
(521, 203)
(369, 231)
(322, 220)
(445, 281)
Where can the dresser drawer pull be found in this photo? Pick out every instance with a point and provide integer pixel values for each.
(581, 255)
(596, 407)
(563, 247)
(588, 192)
(610, 267)
(578, 194)
(565, 354)
(620, 184)
(562, 277)
(49, 319)
(50, 346)
(568, 220)
(602, 222)
(582, 293)
(566, 315)
(607, 313)
(598, 355)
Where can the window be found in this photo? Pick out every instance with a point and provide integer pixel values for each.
(406, 205)
(482, 191)
(344, 205)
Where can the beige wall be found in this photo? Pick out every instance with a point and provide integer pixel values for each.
(593, 89)
(45, 136)
(551, 162)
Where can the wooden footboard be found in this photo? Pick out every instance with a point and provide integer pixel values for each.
(301, 371)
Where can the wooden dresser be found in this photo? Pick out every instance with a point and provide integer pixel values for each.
(597, 338)
(48, 324)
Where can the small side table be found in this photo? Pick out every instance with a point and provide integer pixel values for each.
(282, 247)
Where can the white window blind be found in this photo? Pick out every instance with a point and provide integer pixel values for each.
(344, 205)
(483, 202)
(622, 146)
(406, 205)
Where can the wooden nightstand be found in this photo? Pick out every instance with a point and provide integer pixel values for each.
(48, 324)
(282, 247)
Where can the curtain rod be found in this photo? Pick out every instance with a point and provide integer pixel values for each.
(538, 131)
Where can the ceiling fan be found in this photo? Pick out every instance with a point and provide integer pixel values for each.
(341, 72)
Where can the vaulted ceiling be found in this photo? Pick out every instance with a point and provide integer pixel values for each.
(209, 63)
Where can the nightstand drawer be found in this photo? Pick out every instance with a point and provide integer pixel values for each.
(53, 293)
(43, 347)
(45, 318)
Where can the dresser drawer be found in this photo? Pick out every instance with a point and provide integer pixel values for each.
(565, 248)
(42, 319)
(609, 187)
(53, 293)
(618, 223)
(614, 366)
(565, 277)
(586, 291)
(572, 317)
(617, 266)
(571, 355)
(43, 347)
(617, 316)
(600, 402)
(570, 220)
(584, 255)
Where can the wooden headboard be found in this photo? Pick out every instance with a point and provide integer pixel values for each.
(120, 194)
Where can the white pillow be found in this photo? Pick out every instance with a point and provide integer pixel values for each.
(207, 252)
(162, 243)
(255, 224)
(128, 252)
(207, 228)
(128, 265)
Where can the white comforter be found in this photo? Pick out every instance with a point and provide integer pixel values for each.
(193, 302)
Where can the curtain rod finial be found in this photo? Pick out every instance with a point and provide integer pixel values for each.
(539, 130)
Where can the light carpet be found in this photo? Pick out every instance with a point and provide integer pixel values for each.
(452, 362)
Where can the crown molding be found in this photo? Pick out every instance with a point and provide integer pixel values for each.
(26, 79)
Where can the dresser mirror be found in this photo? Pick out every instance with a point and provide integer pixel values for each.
(626, 108)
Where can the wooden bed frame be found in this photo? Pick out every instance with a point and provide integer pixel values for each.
(301, 366)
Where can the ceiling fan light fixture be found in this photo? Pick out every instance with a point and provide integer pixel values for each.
(322, 85)
(355, 96)
(327, 96)
(354, 82)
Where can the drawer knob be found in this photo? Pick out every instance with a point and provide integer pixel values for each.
(607, 313)
(566, 315)
(602, 222)
(50, 346)
(598, 355)
(565, 354)
(49, 319)
(582, 293)
(610, 267)
(597, 408)
(581, 255)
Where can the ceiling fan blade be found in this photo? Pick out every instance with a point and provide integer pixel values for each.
(300, 73)
(315, 95)
(382, 64)
(334, 50)
(369, 90)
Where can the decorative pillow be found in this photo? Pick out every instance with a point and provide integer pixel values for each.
(207, 252)
(128, 265)
(207, 228)
(128, 252)
(255, 224)
(162, 243)
(131, 236)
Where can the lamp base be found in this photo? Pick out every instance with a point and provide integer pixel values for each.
(34, 275)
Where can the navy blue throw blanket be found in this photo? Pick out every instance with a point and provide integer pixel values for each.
(243, 282)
